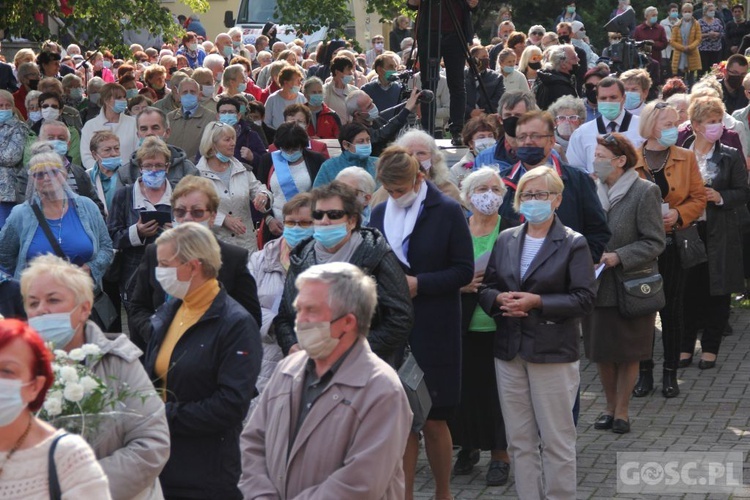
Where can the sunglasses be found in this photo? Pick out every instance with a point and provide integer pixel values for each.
(537, 33)
(196, 213)
(300, 223)
(332, 214)
(53, 106)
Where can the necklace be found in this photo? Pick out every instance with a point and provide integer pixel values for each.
(664, 163)
(18, 444)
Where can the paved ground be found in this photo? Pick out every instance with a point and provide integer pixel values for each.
(712, 413)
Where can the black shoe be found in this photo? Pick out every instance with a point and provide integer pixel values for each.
(645, 383)
(727, 330)
(669, 387)
(497, 474)
(684, 363)
(604, 422)
(465, 461)
(621, 426)
(457, 141)
(706, 365)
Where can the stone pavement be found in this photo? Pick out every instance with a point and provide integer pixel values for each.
(712, 413)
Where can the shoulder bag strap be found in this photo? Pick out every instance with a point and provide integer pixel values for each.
(47, 231)
(54, 484)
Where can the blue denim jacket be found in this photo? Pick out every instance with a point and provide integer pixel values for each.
(21, 225)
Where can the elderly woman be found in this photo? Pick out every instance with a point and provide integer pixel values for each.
(100, 68)
(363, 183)
(530, 62)
(233, 81)
(614, 342)
(58, 297)
(32, 106)
(290, 81)
(325, 123)
(269, 268)
(637, 84)
(204, 356)
(711, 284)
(680, 102)
(429, 235)
(712, 33)
(139, 213)
(155, 78)
(27, 376)
(685, 39)
(478, 134)
(569, 114)
(112, 117)
(675, 171)
(237, 187)
(339, 237)
(538, 284)
(13, 134)
(478, 423)
(249, 147)
(105, 148)
(72, 90)
(138, 104)
(55, 220)
(356, 150)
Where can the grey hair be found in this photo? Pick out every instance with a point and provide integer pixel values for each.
(439, 173)
(350, 291)
(94, 85)
(555, 57)
(69, 80)
(234, 31)
(212, 60)
(26, 69)
(151, 110)
(676, 99)
(365, 182)
(54, 123)
(188, 81)
(537, 27)
(311, 81)
(477, 178)
(352, 101)
(231, 72)
(510, 100)
(192, 241)
(568, 102)
(34, 94)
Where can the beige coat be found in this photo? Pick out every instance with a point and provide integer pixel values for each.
(351, 444)
(134, 452)
(187, 132)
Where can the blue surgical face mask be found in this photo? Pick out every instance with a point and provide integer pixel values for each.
(55, 328)
(111, 164)
(373, 112)
(35, 116)
(295, 89)
(120, 106)
(242, 87)
(5, 115)
(227, 50)
(61, 147)
(330, 236)
(189, 102)
(531, 155)
(609, 110)
(228, 118)
(508, 69)
(294, 235)
(668, 137)
(653, 20)
(76, 93)
(347, 79)
(315, 100)
(363, 150)
(536, 211)
(632, 99)
(291, 157)
(154, 179)
(11, 402)
(222, 157)
(130, 93)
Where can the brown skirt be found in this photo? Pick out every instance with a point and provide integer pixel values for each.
(610, 338)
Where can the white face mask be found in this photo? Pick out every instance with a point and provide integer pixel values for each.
(315, 339)
(406, 200)
(50, 114)
(426, 164)
(487, 203)
(565, 130)
(11, 402)
(167, 278)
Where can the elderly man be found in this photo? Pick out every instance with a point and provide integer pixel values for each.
(362, 182)
(610, 97)
(652, 30)
(555, 80)
(171, 101)
(223, 46)
(503, 154)
(361, 109)
(189, 122)
(344, 433)
(153, 122)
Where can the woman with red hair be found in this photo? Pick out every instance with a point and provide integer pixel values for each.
(27, 442)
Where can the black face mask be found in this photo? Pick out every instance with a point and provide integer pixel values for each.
(483, 64)
(591, 93)
(575, 68)
(735, 81)
(564, 38)
(509, 124)
(33, 84)
(536, 66)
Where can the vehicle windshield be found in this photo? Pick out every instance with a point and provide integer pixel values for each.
(256, 11)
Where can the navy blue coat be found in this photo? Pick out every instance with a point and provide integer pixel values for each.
(441, 256)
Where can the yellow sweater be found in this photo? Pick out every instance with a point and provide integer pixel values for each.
(194, 306)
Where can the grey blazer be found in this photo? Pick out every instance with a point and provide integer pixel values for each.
(562, 274)
(637, 236)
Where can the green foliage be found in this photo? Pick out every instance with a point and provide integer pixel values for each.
(94, 22)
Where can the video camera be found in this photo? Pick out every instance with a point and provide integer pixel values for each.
(425, 96)
(627, 53)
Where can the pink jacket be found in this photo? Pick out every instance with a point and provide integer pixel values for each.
(351, 444)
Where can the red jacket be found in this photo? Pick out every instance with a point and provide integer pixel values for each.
(19, 96)
(266, 92)
(328, 124)
(316, 146)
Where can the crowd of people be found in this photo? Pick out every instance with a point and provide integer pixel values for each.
(272, 288)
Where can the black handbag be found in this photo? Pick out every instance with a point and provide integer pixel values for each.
(420, 402)
(690, 247)
(639, 292)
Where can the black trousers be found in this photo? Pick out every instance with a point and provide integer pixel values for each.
(703, 311)
(454, 59)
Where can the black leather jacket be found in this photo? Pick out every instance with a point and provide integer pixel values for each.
(394, 316)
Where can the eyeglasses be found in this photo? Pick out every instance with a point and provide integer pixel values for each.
(568, 118)
(53, 106)
(45, 173)
(539, 195)
(537, 33)
(155, 166)
(533, 137)
(332, 214)
(195, 213)
(300, 223)
(485, 189)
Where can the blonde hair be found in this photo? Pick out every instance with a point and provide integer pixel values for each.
(702, 108)
(101, 136)
(554, 183)
(192, 183)
(213, 132)
(192, 241)
(151, 147)
(638, 76)
(68, 275)
(395, 165)
(650, 115)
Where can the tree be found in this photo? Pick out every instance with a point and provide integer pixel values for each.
(92, 22)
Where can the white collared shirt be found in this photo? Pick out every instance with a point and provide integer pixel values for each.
(582, 143)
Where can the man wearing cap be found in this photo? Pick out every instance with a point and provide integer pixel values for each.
(580, 40)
